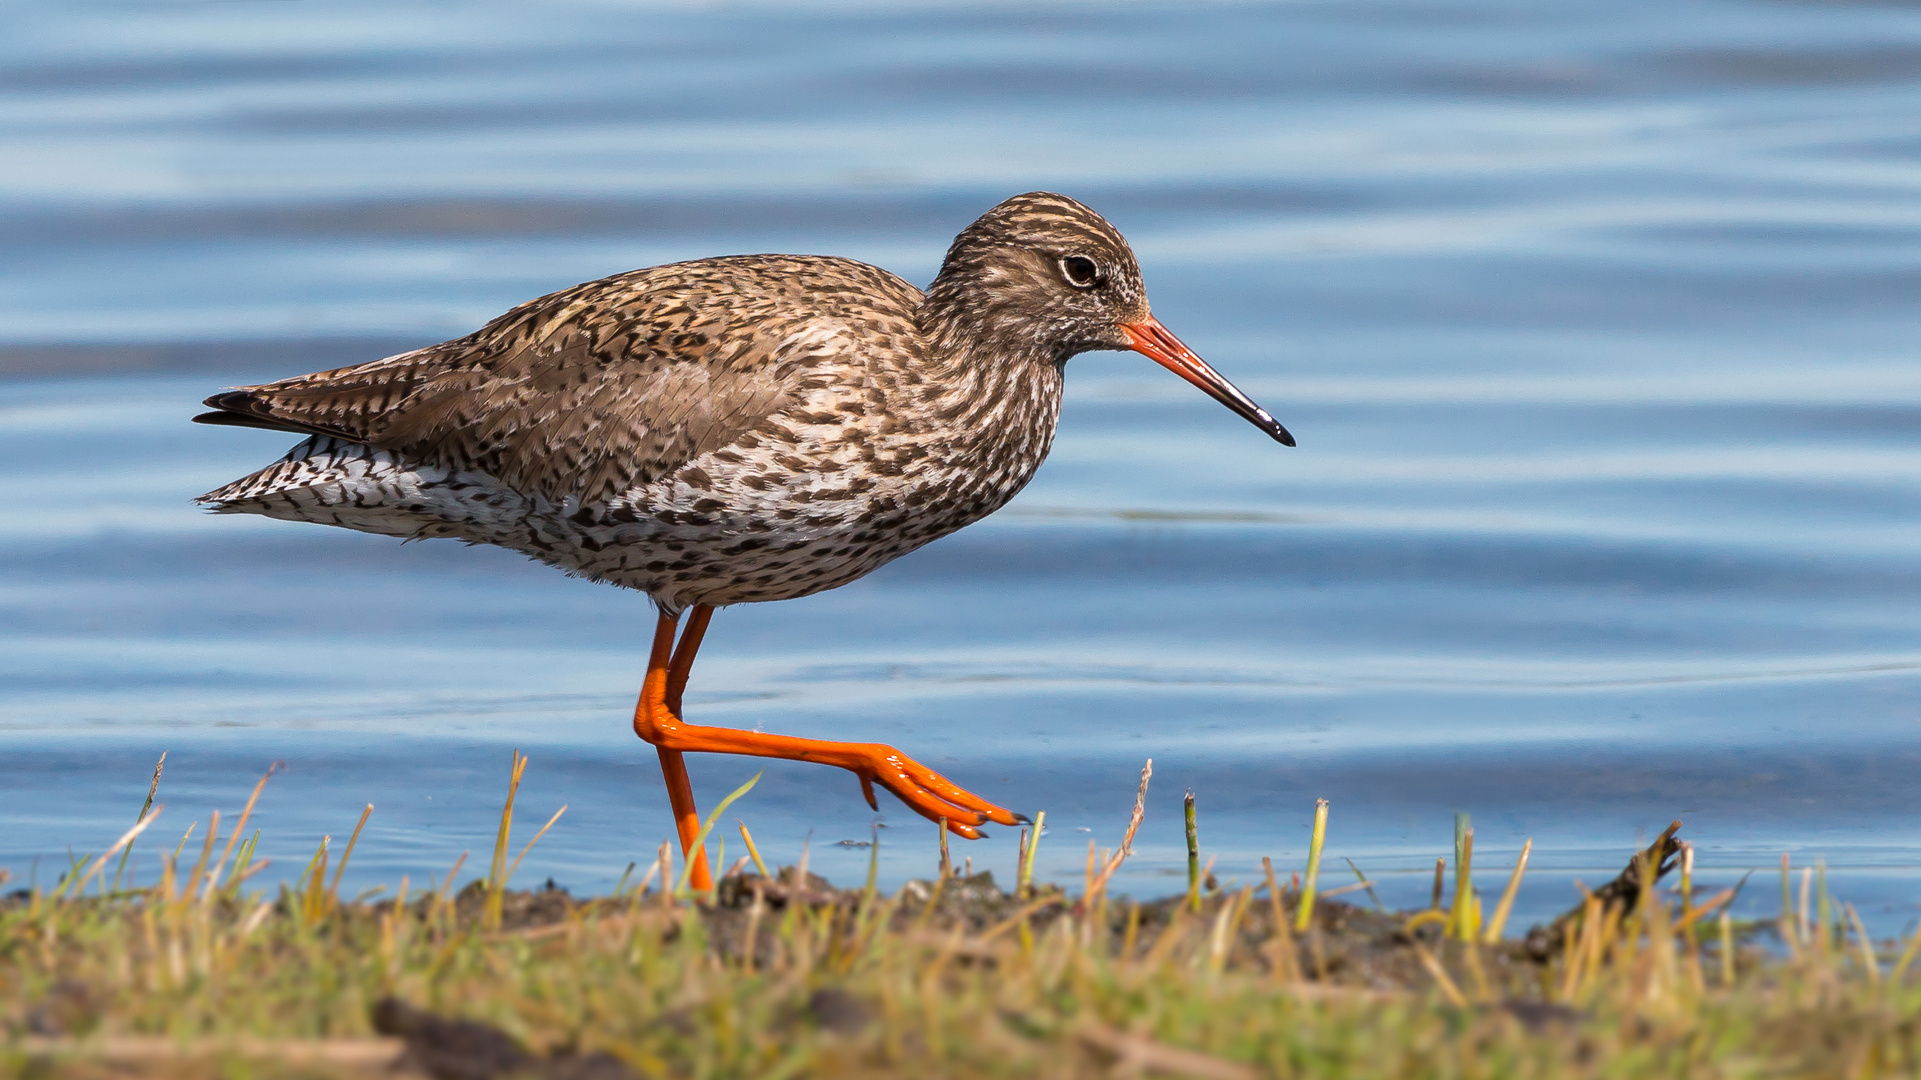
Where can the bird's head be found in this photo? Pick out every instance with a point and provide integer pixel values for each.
(1043, 277)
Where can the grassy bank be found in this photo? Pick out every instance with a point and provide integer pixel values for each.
(776, 974)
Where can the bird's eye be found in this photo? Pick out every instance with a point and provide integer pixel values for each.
(1080, 271)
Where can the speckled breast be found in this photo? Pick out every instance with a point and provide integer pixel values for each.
(791, 510)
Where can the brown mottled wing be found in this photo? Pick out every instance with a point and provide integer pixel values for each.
(584, 392)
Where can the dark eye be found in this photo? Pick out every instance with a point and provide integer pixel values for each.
(1080, 271)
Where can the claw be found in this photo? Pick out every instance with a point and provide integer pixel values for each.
(867, 789)
(1022, 819)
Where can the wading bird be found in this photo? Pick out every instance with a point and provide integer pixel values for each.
(726, 431)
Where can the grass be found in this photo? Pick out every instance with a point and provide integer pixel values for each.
(776, 974)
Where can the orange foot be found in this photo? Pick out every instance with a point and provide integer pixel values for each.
(925, 791)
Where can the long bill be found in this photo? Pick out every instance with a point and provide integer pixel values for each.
(1150, 338)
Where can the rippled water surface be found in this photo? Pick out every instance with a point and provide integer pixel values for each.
(1596, 324)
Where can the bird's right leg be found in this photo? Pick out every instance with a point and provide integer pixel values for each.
(657, 720)
(669, 664)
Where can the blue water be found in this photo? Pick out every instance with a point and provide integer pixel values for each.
(1596, 324)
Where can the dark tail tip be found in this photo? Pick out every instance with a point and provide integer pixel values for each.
(227, 419)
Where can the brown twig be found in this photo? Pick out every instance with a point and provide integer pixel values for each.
(1543, 942)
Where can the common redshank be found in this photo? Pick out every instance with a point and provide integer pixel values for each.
(726, 431)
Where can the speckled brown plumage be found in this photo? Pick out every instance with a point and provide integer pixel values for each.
(725, 430)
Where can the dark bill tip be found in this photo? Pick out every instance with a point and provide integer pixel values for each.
(1150, 338)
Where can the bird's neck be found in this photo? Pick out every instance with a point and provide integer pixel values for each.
(992, 386)
(980, 346)
(970, 324)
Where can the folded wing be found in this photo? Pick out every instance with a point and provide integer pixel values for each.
(585, 392)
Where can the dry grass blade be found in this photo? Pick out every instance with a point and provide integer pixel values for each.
(1703, 910)
(333, 887)
(1802, 913)
(753, 851)
(1127, 840)
(1140, 811)
(1687, 879)
(213, 876)
(1870, 965)
(1362, 882)
(153, 788)
(1498, 924)
(1908, 953)
(647, 879)
(1227, 923)
(206, 852)
(1135, 1054)
(515, 865)
(140, 1050)
(1017, 918)
(1441, 979)
(446, 887)
(496, 885)
(1287, 968)
(126, 838)
(312, 892)
(1024, 877)
(1193, 852)
(1725, 923)
(259, 915)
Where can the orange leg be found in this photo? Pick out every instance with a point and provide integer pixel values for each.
(657, 720)
(678, 661)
